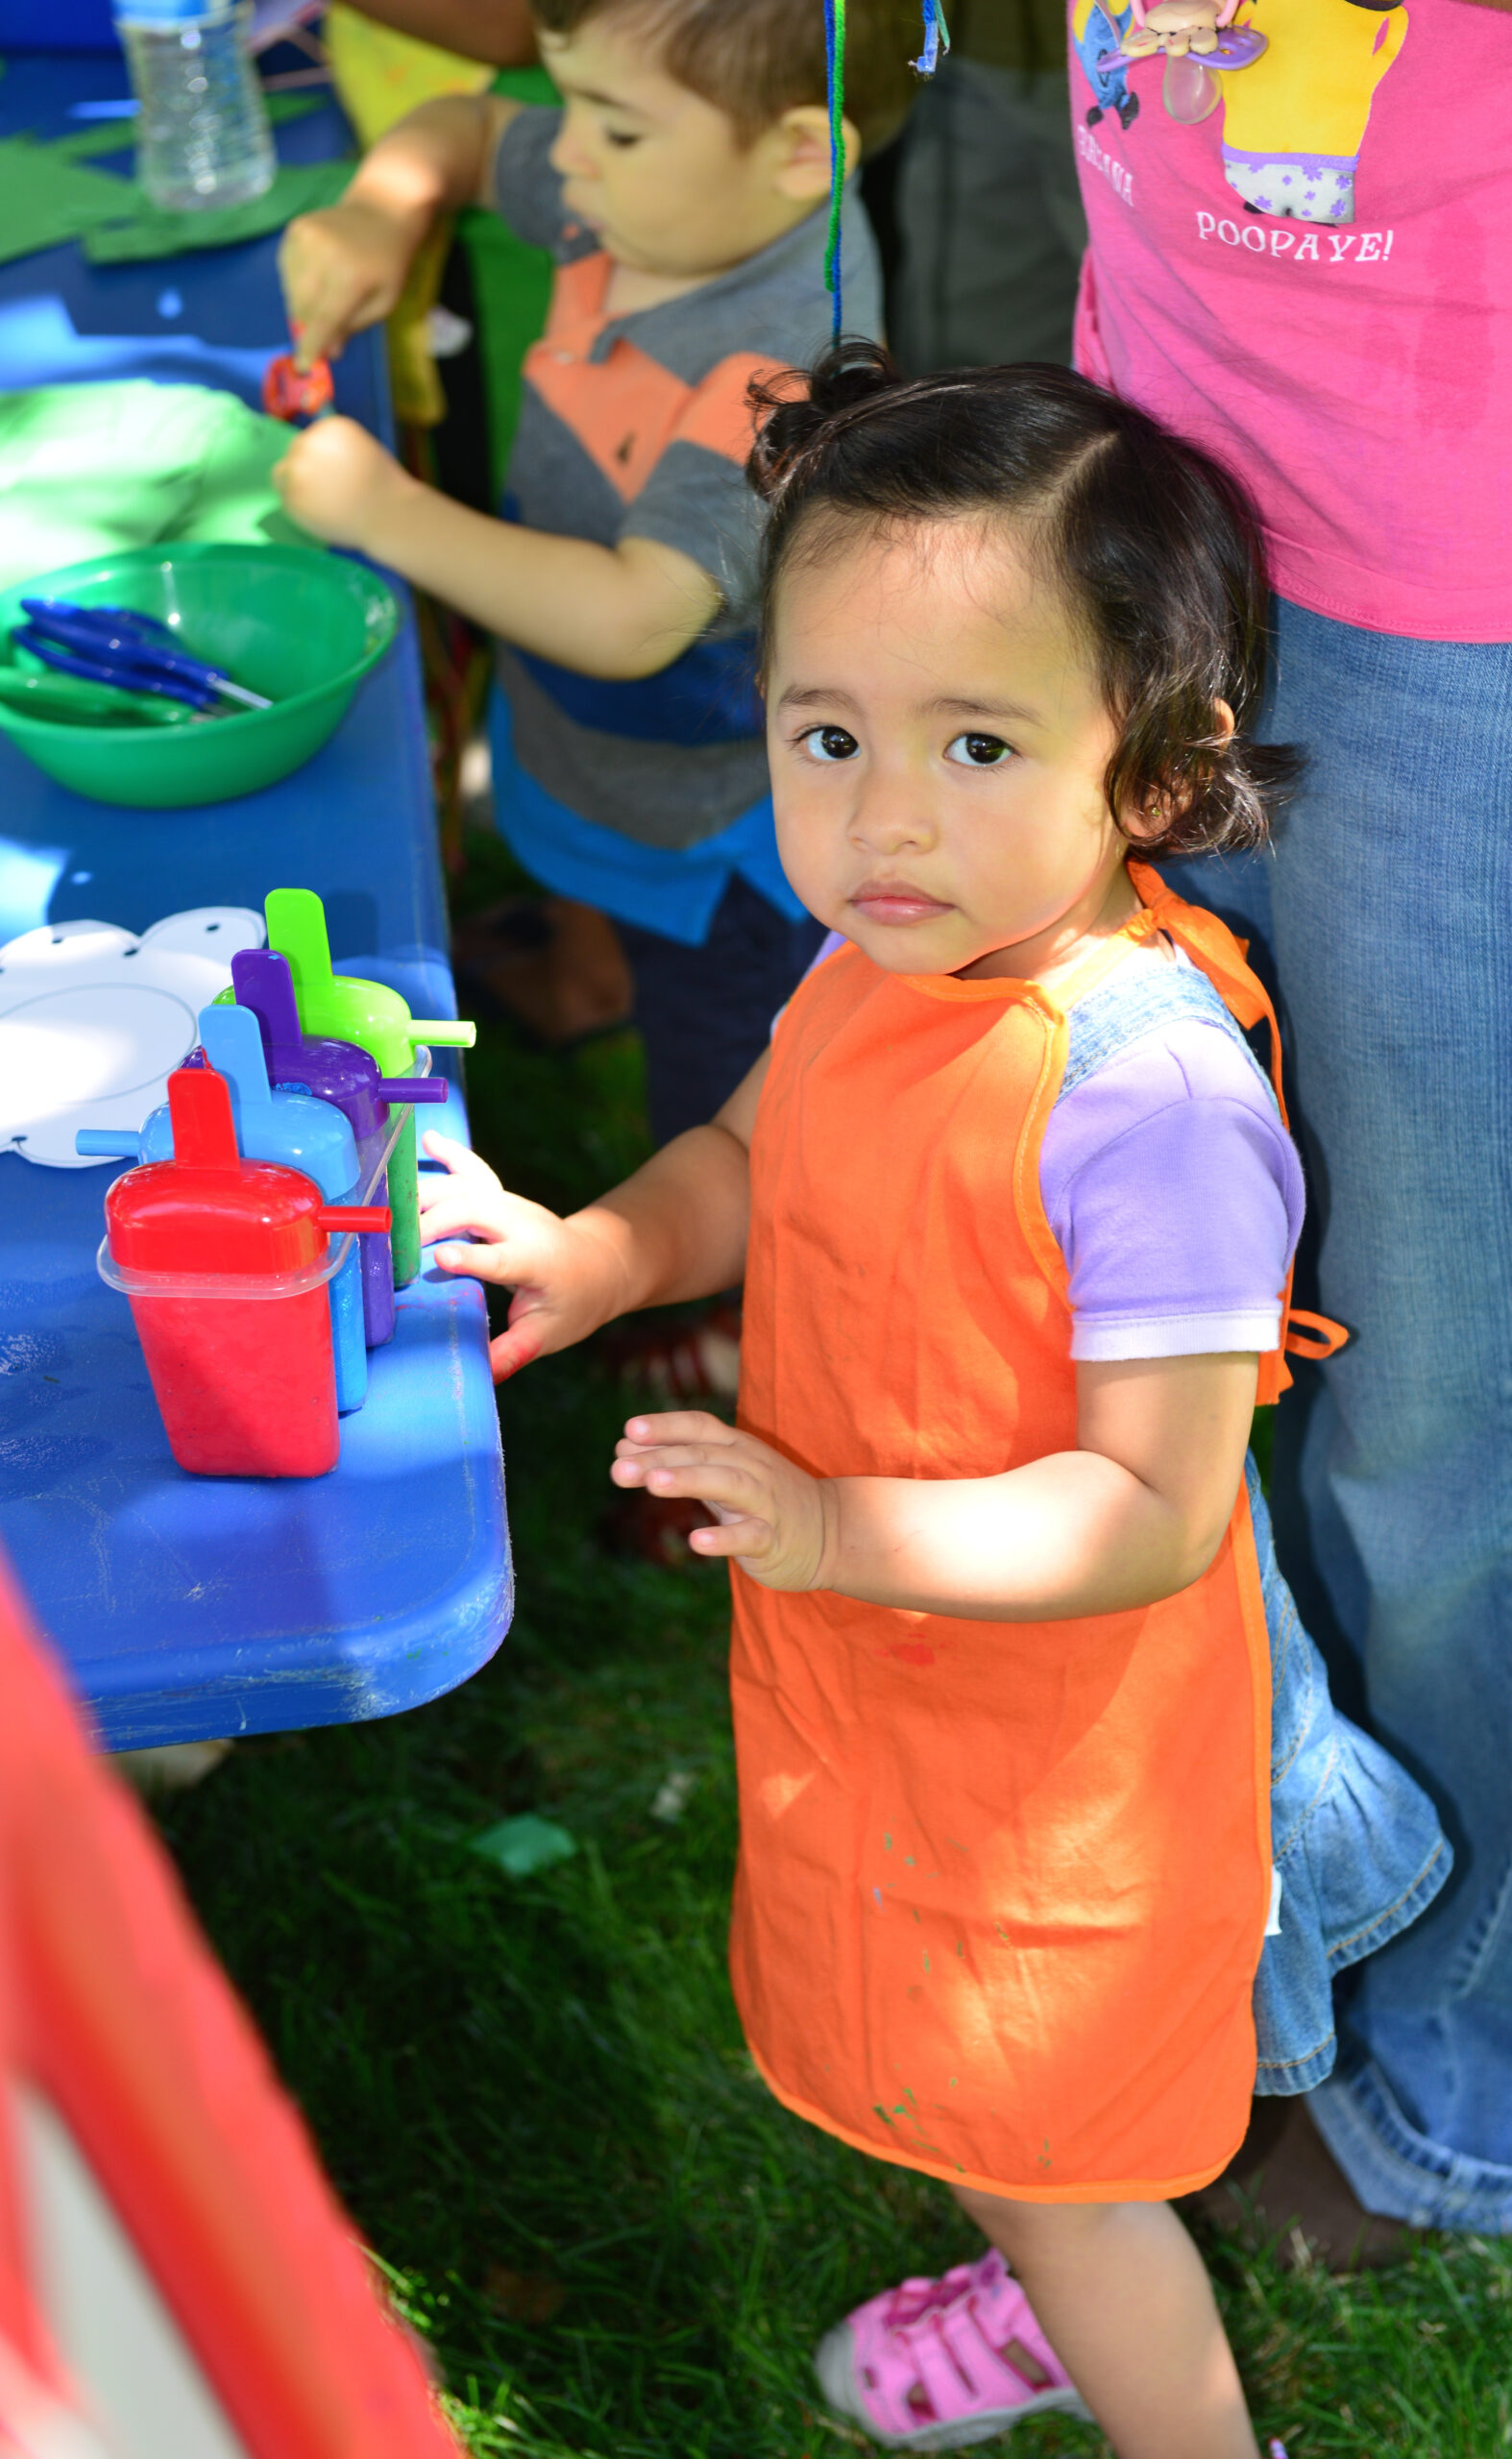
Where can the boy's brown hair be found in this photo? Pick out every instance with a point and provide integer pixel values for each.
(753, 59)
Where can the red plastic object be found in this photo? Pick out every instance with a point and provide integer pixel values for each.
(245, 1379)
(354, 1216)
(115, 2014)
(290, 392)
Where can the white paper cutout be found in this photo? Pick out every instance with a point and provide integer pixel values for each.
(93, 1021)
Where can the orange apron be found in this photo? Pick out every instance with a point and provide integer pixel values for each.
(1002, 1886)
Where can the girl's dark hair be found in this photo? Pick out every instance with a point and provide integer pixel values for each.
(1156, 545)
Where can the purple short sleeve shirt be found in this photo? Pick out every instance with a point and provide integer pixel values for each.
(1175, 1194)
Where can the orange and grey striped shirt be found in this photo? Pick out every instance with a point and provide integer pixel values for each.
(638, 426)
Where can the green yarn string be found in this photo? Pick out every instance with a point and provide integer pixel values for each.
(936, 41)
(835, 61)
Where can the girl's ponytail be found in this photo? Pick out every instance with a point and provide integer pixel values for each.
(796, 430)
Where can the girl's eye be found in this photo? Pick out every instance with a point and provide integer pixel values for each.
(830, 743)
(622, 138)
(978, 751)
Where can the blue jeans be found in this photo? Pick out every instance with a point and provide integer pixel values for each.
(1387, 909)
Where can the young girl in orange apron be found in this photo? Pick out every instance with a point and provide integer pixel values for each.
(1002, 1658)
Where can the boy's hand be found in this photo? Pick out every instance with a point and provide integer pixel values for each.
(343, 269)
(774, 1518)
(336, 481)
(564, 1280)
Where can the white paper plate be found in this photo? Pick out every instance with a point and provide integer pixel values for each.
(93, 1021)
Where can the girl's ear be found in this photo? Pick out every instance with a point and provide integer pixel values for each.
(801, 153)
(1142, 827)
(1163, 811)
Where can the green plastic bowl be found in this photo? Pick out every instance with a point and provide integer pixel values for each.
(297, 624)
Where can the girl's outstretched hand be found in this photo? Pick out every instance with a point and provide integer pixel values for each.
(774, 1517)
(562, 1275)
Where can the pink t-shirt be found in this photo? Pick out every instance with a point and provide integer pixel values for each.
(1315, 283)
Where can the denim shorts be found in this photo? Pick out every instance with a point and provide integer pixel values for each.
(1355, 1844)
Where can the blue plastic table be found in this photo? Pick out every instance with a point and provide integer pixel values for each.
(188, 1607)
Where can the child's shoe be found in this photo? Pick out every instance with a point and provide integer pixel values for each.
(940, 2363)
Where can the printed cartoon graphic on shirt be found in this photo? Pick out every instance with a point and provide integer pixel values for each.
(1095, 35)
(1293, 124)
(1295, 118)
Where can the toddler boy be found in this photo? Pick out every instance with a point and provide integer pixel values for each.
(681, 188)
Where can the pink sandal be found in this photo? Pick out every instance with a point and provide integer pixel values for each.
(940, 2363)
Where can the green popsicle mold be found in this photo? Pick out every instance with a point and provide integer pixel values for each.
(378, 1021)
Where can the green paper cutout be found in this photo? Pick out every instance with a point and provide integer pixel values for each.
(46, 200)
(82, 145)
(145, 233)
(89, 469)
(521, 1846)
(48, 196)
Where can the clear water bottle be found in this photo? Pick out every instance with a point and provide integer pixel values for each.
(202, 130)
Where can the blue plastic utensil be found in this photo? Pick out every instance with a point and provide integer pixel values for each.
(136, 652)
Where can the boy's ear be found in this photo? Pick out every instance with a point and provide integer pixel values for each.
(800, 144)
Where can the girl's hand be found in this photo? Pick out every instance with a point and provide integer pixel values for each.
(773, 1517)
(342, 270)
(336, 481)
(563, 1278)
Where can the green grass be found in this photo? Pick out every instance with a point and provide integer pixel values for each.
(533, 2094)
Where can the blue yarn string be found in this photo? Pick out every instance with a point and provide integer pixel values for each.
(936, 39)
